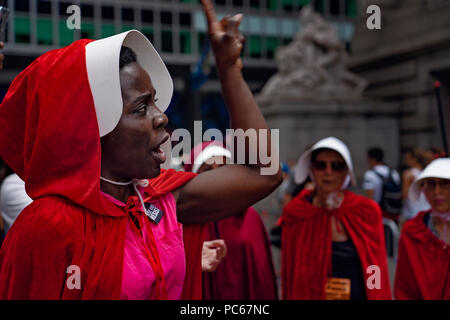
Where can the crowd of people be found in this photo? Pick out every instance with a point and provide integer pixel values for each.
(83, 191)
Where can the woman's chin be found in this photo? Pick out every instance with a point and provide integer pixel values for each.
(154, 172)
(442, 208)
(151, 173)
(328, 189)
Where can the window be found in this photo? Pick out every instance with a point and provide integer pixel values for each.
(148, 32)
(22, 5)
(87, 31)
(22, 29)
(127, 14)
(271, 45)
(63, 8)
(334, 8)
(65, 35)
(319, 6)
(271, 5)
(107, 12)
(254, 3)
(201, 37)
(288, 5)
(147, 16)
(185, 19)
(166, 17)
(44, 31)
(108, 29)
(185, 42)
(351, 8)
(87, 11)
(44, 7)
(255, 47)
(166, 41)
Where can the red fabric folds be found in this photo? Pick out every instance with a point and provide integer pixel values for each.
(34, 260)
(423, 266)
(50, 138)
(193, 235)
(306, 245)
(247, 272)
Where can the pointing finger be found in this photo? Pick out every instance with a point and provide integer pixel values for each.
(210, 14)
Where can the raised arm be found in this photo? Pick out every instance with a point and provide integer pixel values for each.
(231, 189)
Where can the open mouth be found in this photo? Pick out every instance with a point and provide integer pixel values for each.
(158, 153)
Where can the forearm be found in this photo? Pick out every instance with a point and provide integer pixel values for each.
(242, 107)
(245, 114)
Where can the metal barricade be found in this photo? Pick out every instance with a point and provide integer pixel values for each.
(392, 236)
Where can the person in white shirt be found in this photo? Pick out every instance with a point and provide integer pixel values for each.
(373, 184)
(13, 199)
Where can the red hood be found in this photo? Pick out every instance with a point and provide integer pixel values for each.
(49, 133)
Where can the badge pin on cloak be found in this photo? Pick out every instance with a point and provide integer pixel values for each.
(153, 213)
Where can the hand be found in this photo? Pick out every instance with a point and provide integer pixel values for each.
(226, 40)
(213, 253)
(2, 56)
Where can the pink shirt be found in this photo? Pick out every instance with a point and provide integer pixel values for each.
(138, 277)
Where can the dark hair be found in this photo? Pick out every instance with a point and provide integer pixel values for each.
(419, 155)
(376, 153)
(127, 56)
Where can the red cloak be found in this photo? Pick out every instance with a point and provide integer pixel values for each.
(306, 245)
(247, 272)
(50, 137)
(423, 266)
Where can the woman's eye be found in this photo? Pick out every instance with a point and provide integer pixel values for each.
(142, 108)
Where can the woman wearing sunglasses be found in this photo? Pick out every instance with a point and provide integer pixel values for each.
(332, 240)
(423, 267)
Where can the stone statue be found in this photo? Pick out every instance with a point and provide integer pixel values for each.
(313, 65)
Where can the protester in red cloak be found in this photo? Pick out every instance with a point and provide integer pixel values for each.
(423, 266)
(247, 272)
(85, 136)
(329, 232)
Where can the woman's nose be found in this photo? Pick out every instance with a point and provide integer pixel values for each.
(160, 120)
(438, 188)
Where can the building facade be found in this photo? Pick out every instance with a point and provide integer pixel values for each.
(177, 29)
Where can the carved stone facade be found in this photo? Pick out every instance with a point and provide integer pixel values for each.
(403, 60)
(313, 65)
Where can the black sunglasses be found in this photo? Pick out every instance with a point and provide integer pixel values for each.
(430, 184)
(338, 166)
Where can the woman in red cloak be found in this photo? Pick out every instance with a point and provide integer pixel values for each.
(423, 266)
(332, 244)
(83, 126)
(247, 272)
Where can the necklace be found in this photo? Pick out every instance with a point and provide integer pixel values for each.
(117, 183)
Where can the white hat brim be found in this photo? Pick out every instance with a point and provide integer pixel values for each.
(102, 65)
